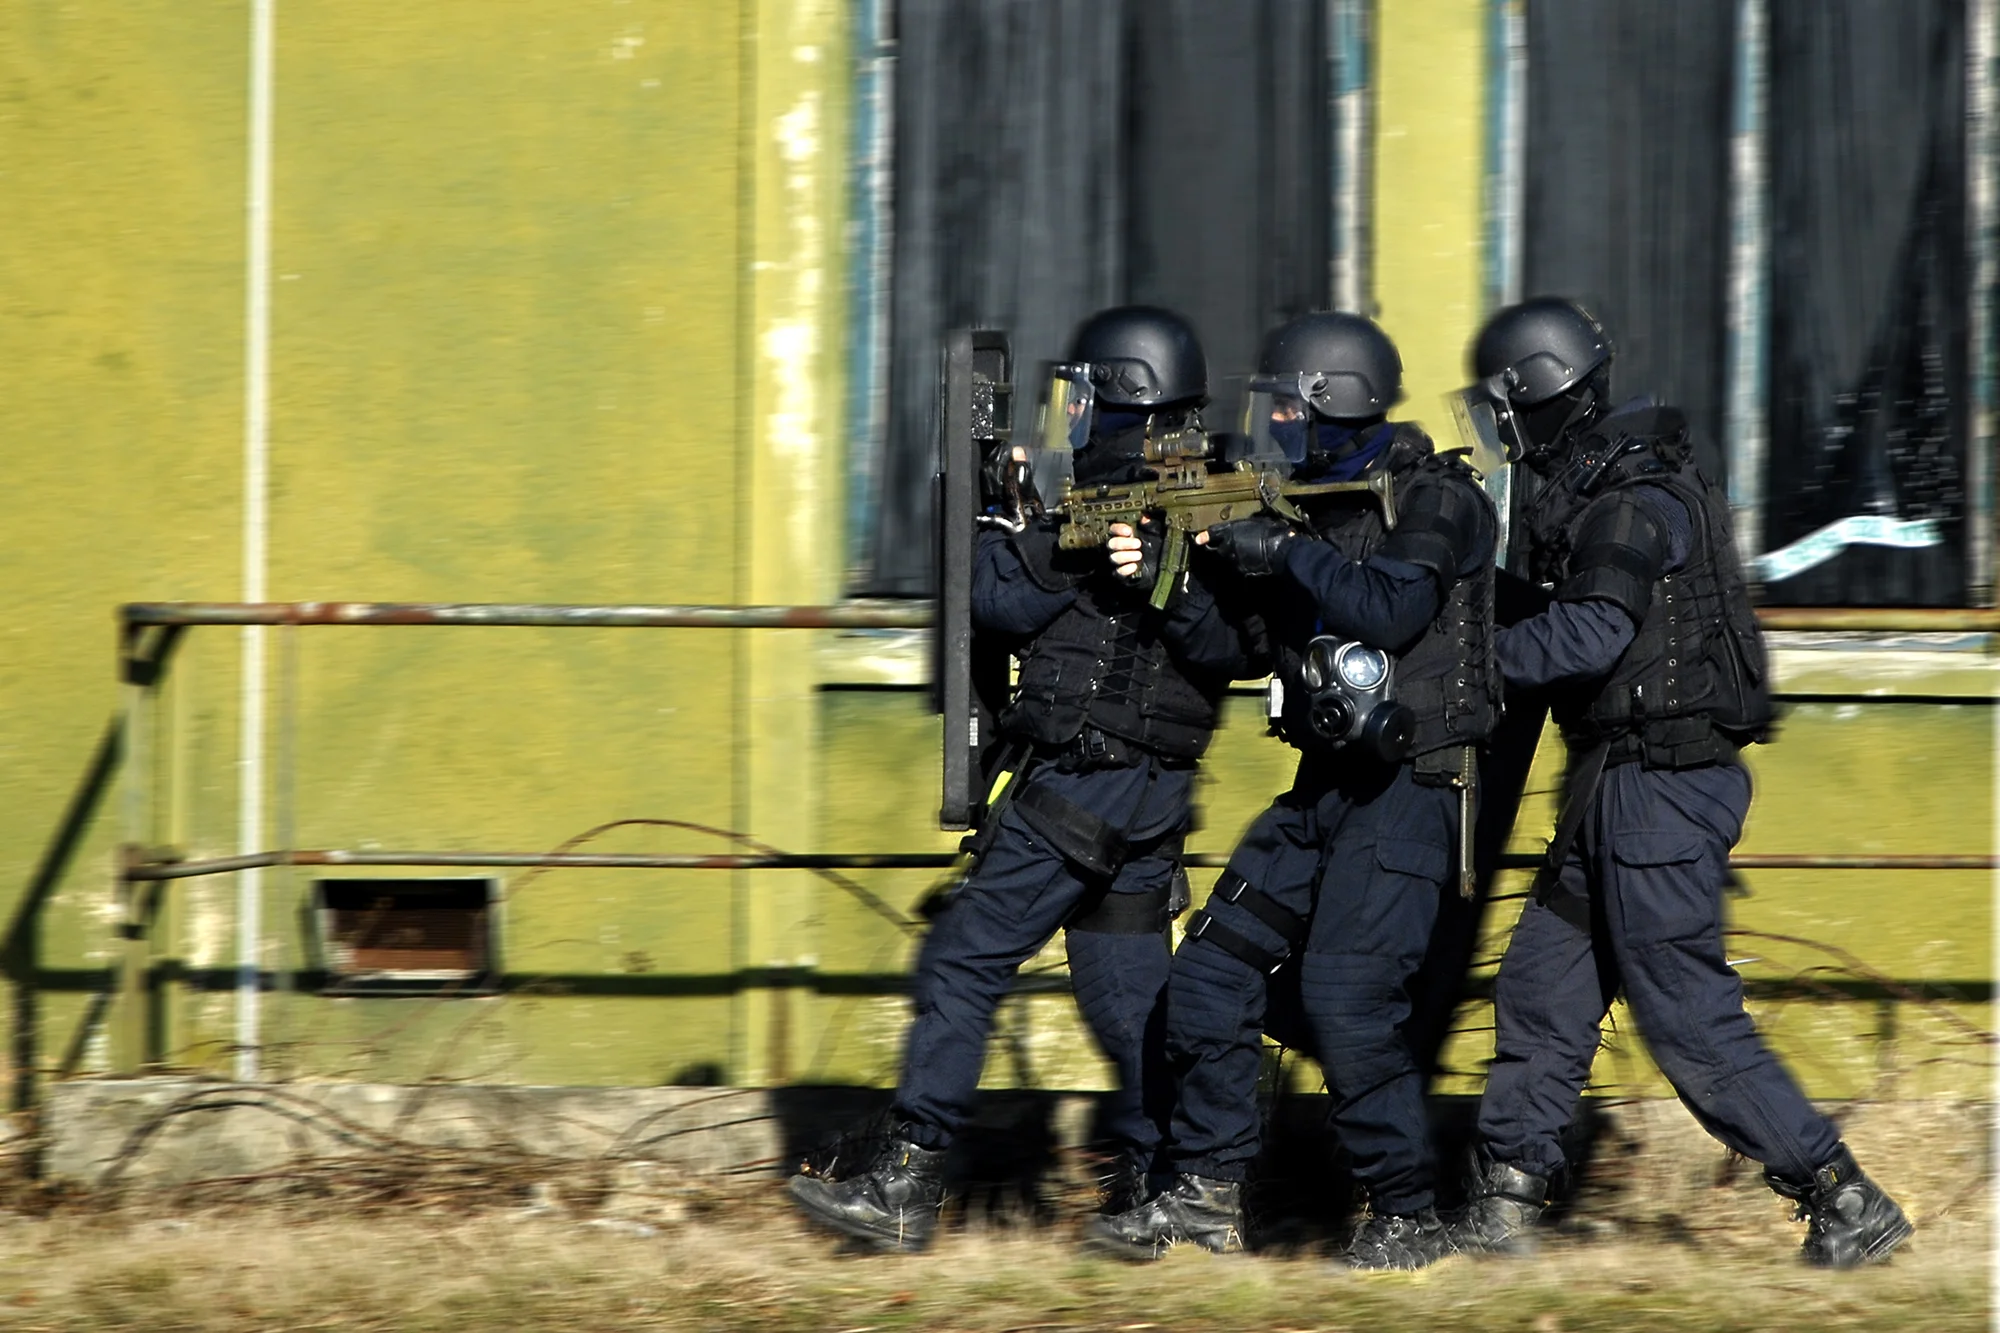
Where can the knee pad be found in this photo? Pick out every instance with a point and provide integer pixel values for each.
(1121, 983)
(1119, 953)
(1210, 995)
(1347, 987)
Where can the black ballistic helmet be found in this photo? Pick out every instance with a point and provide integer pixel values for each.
(1141, 356)
(1342, 364)
(1544, 373)
(1539, 348)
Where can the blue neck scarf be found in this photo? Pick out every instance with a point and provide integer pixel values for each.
(1359, 458)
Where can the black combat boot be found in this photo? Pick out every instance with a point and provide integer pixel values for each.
(893, 1206)
(1849, 1220)
(1122, 1183)
(1387, 1241)
(1502, 1205)
(1194, 1210)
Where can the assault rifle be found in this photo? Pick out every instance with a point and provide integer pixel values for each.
(1190, 491)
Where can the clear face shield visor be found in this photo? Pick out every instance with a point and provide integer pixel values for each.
(1488, 425)
(1068, 406)
(1277, 418)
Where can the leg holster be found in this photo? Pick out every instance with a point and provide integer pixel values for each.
(1233, 888)
(1108, 913)
(1082, 838)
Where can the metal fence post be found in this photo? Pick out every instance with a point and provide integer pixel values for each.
(130, 1018)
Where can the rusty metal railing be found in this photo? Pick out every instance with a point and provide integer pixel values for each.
(533, 614)
(917, 615)
(149, 871)
(143, 657)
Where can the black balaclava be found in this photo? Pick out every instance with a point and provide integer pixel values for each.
(1115, 454)
(1549, 428)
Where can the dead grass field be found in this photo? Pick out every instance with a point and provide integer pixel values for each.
(744, 1263)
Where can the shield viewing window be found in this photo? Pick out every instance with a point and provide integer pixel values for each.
(407, 936)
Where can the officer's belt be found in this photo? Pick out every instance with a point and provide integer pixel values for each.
(1288, 925)
(1586, 775)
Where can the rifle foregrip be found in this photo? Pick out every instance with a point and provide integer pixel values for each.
(1078, 535)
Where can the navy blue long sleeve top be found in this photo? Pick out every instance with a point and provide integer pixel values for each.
(1382, 601)
(1574, 641)
(1005, 597)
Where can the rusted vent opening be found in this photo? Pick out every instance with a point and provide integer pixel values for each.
(412, 935)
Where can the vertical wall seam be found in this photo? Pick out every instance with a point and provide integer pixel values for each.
(1505, 200)
(1747, 359)
(1983, 237)
(870, 236)
(256, 535)
(1506, 150)
(1350, 28)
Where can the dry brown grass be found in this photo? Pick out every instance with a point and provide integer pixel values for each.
(743, 1262)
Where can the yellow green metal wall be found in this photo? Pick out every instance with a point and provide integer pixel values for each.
(121, 315)
(558, 315)
(1430, 96)
(552, 298)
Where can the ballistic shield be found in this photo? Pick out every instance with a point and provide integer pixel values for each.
(969, 666)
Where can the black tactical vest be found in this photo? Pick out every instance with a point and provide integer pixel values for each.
(1108, 669)
(1692, 687)
(1448, 677)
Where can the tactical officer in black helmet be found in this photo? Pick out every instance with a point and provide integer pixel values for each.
(1114, 704)
(1377, 629)
(1654, 668)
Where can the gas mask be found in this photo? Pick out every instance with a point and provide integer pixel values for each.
(1351, 698)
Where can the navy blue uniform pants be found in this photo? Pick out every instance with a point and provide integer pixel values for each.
(1021, 893)
(1365, 857)
(1651, 859)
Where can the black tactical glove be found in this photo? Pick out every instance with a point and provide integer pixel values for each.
(1006, 487)
(1254, 545)
(1151, 543)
